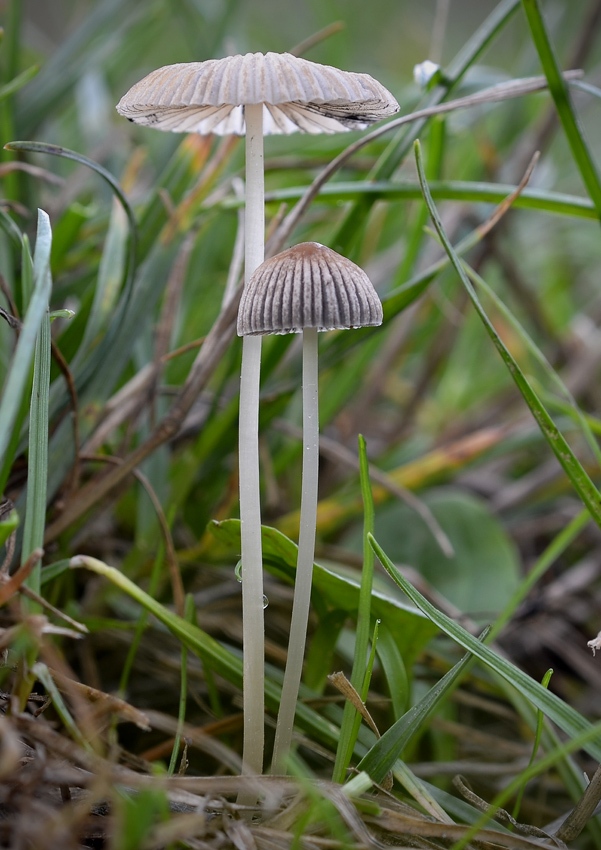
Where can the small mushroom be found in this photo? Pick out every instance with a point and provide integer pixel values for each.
(255, 94)
(307, 288)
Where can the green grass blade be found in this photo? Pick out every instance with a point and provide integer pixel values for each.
(8, 526)
(415, 239)
(382, 756)
(566, 717)
(557, 203)
(423, 793)
(537, 737)
(358, 719)
(347, 742)
(153, 585)
(394, 671)
(110, 275)
(332, 590)
(10, 228)
(572, 467)
(542, 765)
(19, 371)
(400, 146)
(190, 612)
(57, 150)
(550, 555)
(210, 651)
(473, 48)
(37, 466)
(18, 82)
(565, 108)
(540, 358)
(42, 672)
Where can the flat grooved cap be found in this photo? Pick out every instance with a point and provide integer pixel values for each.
(209, 97)
(307, 286)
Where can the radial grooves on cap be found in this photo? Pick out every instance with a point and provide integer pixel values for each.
(308, 285)
(298, 95)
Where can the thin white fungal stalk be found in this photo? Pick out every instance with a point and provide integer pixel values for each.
(253, 632)
(306, 555)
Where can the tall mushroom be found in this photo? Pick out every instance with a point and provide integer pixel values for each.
(255, 94)
(307, 288)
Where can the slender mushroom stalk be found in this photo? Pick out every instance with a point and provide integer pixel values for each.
(311, 288)
(257, 94)
(250, 497)
(306, 555)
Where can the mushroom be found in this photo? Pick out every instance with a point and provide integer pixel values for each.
(254, 94)
(307, 288)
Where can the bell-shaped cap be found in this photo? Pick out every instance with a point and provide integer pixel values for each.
(307, 286)
(209, 97)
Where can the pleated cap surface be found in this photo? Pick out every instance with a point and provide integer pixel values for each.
(307, 286)
(297, 95)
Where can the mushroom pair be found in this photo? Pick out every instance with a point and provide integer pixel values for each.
(255, 94)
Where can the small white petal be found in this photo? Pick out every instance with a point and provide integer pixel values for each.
(423, 73)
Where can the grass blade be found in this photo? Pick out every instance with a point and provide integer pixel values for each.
(399, 147)
(382, 756)
(37, 467)
(538, 734)
(18, 82)
(540, 358)
(565, 108)
(181, 717)
(444, 190)
(566, 717)
(19, 372)
(564, 454)
(209, 650)
(346, 742)
(550, 555)
(57, 150)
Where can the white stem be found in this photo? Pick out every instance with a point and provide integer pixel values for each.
(306, 555)
(250, 507)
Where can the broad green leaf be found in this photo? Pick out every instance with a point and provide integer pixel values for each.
(333, 591)
(319, 658)
(481, 547)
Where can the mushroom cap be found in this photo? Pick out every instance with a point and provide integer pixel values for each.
(209, 97)
(307, 286)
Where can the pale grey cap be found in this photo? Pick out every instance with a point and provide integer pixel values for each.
(307, 286)
(209, 97)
